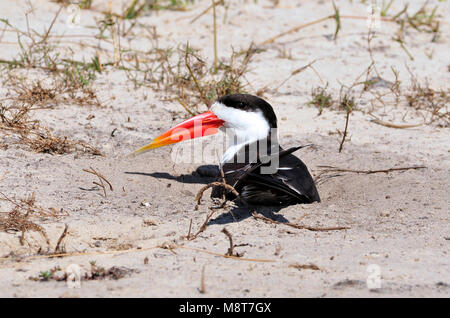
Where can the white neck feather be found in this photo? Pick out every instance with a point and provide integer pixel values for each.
(244, 127)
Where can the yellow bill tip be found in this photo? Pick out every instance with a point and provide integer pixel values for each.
(156, 143)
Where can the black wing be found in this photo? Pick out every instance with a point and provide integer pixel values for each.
(290, 184)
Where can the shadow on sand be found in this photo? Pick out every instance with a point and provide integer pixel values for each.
(203, 175)
(241, 212)
(208, 173)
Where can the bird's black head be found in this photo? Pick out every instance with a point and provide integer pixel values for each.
(251, 103)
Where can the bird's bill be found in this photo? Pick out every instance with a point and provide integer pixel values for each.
(201, 125)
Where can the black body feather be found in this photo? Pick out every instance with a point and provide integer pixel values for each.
(284, 187)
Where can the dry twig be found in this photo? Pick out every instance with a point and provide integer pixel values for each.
(101, 178)
(63, 235)
(330, 169)
(214, 184)
(18, 219)
(230, 249)
(392, 125)
(307, 266)
(335, 169)
(297, 226)
(202, 228)
(202, 281)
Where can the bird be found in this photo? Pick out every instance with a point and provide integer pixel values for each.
(261, 171)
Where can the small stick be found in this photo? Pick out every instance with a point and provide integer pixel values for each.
(101, 185)
(22, 236)
(392, 125)
(228, 234)
(94, 150)
(303, 227)
(338, 20)
(295, 29)
(169, 247)
(202, 228)
(189, 231)
(182, 103)
(213, 184)
(222, 174)
(335, 169)
(44, 38)
(307, 266)
(63, 235)
(295, 72)
(101, 178)
(202, 282)
(345, 130)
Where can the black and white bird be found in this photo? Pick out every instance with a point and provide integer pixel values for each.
(261, 171)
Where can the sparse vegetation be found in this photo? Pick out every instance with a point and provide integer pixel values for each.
(22, 216)
(321, 98)
(84, 4)
(435, 104)
(15, 121)
(95, 273)
(70, 82)
(186, 77)
(138, 7)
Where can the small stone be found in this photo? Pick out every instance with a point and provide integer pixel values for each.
(146, 204)
(188, 193)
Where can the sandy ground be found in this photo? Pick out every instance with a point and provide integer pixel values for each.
(397, 221)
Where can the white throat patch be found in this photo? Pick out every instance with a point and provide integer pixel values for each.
(247, 126)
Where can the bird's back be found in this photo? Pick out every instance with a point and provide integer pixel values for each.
(291, 183)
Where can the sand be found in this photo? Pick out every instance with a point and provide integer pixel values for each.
(398, 222)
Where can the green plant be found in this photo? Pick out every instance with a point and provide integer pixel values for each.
(321, 98)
